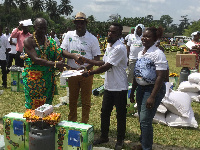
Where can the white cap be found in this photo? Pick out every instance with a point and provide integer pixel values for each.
(27, 22)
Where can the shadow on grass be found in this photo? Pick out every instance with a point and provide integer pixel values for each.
(133, 139)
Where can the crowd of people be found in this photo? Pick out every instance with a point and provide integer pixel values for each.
(140, 55)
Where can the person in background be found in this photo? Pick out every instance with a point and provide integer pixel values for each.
(194, 48)
(7, 35)
(20, 35)
(149, 75)
(83, 43)
(116, 85)
(131, 35)
(42, 58)
(134, 46)
(53, 36)
(12, 53)
(4, 48)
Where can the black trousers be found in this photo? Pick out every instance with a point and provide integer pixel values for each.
(3, 65)
(10, 60)
(18, 61)
(119, 100)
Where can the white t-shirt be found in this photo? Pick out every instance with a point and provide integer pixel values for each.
(3, 45)
(86, 46)
(13, 47)
(127, 37)
(190, 44)
(136, 46)
(57, 41)
(147, 64)
(116, 77)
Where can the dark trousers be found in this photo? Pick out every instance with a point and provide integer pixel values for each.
(18, 61)
(119, 99)
(3, 65)
(10, 60)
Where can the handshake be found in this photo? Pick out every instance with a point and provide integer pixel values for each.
(81, 60)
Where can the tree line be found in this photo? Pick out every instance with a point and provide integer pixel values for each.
(13, 11)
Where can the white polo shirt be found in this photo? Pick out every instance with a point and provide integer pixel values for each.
(86, 46)
(147, 64)
(3, 45)
(115, 77)
(136, 46)
(13, 47)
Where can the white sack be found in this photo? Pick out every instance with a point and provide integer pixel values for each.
(168, 88)
(175, 120)
(178, 102)
(187, 86)
(159, 118)
(193, 96)
(161, 108)
(194, 77)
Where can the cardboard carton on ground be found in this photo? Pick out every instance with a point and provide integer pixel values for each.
(16, 132)
(73, 136)
(185, 60)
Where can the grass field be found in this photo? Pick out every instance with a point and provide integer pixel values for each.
(164, 137)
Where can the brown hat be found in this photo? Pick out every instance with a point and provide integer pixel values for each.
(80, 16)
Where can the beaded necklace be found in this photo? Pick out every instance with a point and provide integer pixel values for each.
(43, 56)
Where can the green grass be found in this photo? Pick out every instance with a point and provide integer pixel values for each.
(163, 135)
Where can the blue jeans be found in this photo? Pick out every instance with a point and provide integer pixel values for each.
(146, 115)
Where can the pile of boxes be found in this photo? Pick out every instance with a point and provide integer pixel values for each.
(16, 79)
(68, 135)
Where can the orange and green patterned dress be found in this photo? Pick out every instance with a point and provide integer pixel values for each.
(39, 81)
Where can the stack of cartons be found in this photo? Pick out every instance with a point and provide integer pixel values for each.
(16, 132)
(74, 136)
(16, 79)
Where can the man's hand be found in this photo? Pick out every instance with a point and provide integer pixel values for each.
(150, 102)
(79, 60)
(132, 97)
(60, 65)
(85, 74)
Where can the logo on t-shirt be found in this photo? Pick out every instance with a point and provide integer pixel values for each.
(79, 52)
(84, 43)
(70, 39)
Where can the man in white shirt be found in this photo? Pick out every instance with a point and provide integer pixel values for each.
(82, 43)
(134, 46)
(53, 36)
(115, 94)
(7, 35)
(12, 53)
(4, 48)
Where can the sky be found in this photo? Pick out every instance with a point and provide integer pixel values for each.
(102, 9)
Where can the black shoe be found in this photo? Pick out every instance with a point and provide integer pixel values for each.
(100, 141)
(4, 86)
(119, 145)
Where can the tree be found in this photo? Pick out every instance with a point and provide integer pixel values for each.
(166, 20)
(184, 21)
(52, 10)
(114, 18)
(37, 5)
(195, 26)
(22, 4)
(9, 4)
(64, 8)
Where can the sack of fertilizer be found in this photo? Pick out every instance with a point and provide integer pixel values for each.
(194, 77)
(174, 120)
(178, 103)
(187, 86)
